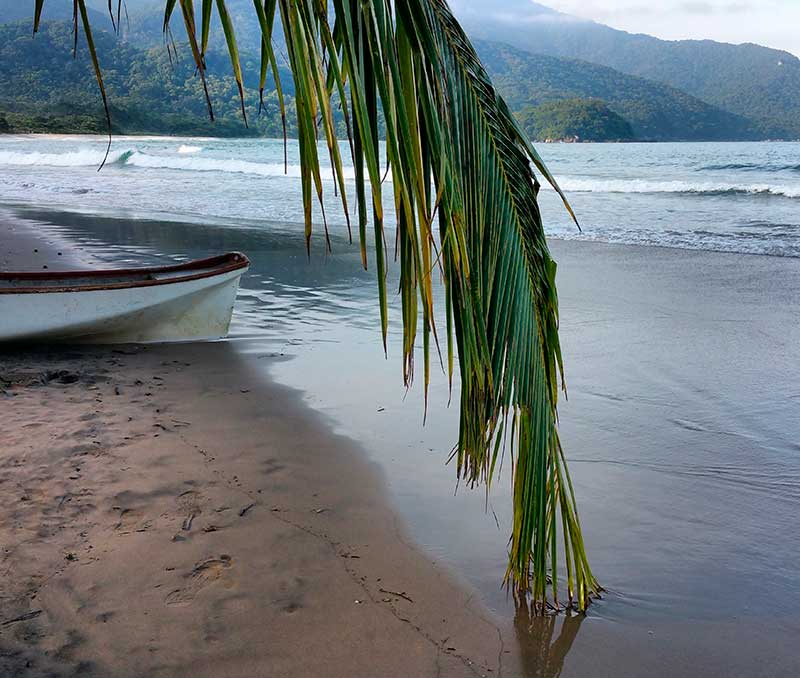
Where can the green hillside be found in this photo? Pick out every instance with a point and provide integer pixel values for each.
(575, 120)
(43, 89)
(751, 82)
(654, 111)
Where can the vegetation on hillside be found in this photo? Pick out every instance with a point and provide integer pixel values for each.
(655, 112)
(15, 122)
(575, 120)
(761, 86)
(42, 88)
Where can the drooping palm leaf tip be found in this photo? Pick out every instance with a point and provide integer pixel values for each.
(465, 194)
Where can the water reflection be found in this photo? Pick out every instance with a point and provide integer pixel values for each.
(544, 641)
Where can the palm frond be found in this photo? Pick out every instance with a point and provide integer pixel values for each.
(79, 7)
(465, 193)
(233, 49)
(37, 14)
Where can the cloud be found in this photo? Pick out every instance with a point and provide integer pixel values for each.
(512, 12)
(509, 18)
(766, 22)
(706, 8)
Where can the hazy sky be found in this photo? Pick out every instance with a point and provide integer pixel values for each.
(774, 23)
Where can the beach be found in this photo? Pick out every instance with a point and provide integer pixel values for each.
(165, 513)
(173, 509)
(680, 429)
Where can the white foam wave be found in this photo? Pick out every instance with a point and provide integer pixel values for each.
(221, 165)
(185, 159)
(575, 185)
(86, 157)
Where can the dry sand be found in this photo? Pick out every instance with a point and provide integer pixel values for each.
(165, 512)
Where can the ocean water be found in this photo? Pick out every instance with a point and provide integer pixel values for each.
(683, 419)
(733, 197)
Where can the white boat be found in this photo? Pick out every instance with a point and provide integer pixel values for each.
(185, 302)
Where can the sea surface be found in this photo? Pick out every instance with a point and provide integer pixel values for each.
(733, 197)
(682, 351)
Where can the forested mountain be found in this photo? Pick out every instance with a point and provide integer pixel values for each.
(752, 81)
(39, 78)
(654, 111)
(42, 88)
(575, 120)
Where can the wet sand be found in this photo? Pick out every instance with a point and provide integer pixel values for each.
(164, 511)
(22, 248)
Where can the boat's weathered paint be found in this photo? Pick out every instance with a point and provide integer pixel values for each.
(179, 303)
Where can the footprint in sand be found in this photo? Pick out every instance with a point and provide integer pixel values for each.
(202, 575)
(291, 595)
(272, 465)
(131, 520)
(190, 504)
(190, 501)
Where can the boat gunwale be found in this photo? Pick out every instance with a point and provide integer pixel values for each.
(217, 265)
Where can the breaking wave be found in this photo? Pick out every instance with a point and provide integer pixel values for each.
(188, 158)
(753, 167)
(185, 159)
(88, 157)
(205, 164)
(685, 187)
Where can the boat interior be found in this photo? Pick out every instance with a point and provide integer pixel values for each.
(48, 281)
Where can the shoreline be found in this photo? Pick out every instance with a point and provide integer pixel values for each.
(167, 512)
(23, 248)
(26, 210)
(152, 135)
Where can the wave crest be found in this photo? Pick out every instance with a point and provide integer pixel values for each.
(88, 157)
(185, 159)
(205, 164)
(685, 187)
(752, 167)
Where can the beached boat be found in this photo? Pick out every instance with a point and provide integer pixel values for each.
(184, 302)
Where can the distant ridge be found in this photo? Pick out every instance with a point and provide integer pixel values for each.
(756, 82)
(656, 112)
(54, 10)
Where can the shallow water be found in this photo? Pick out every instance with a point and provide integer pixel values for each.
(682, 426)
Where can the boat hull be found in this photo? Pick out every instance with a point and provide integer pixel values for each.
(183, 310)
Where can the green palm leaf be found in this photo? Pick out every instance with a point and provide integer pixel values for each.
(233, 50)
(465, 195)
